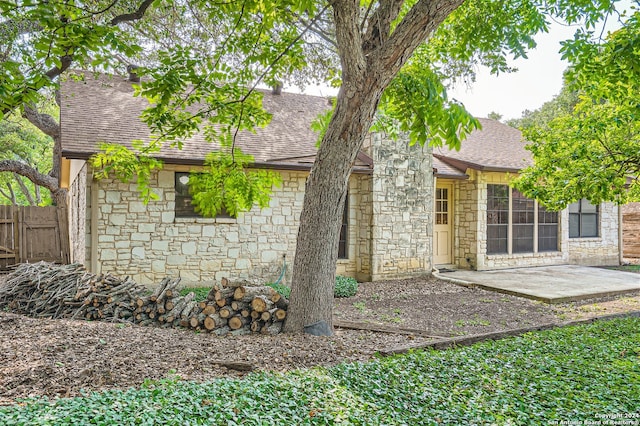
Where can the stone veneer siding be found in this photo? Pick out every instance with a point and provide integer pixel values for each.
(148, 242)
(402, 227)
(470, 232)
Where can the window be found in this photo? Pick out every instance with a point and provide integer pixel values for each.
(516, 224)
(344, 231)
(583, 219)
(497, 218)
(523, 211)
(547, 230)
(184, 208)
(442, 206)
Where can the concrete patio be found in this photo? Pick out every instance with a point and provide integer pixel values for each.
(551, 284)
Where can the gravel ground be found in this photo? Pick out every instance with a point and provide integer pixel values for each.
(59, 358)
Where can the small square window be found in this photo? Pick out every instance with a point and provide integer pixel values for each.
(184, 207)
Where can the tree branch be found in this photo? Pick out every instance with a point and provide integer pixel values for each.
(24, 189)
(8, 196)
(415, 28)
(378, 28)
(346, 15)
(138, 14)
(44, 122)
(30, 173)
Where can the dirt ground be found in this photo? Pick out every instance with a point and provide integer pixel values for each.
(59, 358)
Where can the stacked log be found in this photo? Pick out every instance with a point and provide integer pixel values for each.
(69, 291)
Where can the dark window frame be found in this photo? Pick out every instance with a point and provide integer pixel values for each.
(525, 214)
(547, 230)
(183, 207)
(497, 219)
(343, 241)
(522, 222)
(578, 216)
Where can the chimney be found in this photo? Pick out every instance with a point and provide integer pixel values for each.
(133, 77)
(277, 89)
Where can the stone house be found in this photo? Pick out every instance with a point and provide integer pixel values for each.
(481, 223)
(387, 225)
(407, 210)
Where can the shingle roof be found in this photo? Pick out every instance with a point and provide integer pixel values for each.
(444, 170)
(496, 147)
(103, 109)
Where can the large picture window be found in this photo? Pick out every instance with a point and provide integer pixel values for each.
(583, 219)
(516, 224)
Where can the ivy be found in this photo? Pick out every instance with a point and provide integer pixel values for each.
(572, 374)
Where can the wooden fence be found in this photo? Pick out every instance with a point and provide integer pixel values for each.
(32, 234)
(631, 234)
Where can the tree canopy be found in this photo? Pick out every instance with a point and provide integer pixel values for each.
(393, 61)
(586, 143)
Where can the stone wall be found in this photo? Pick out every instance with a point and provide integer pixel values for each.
(402, 220)
(465, 225)
(148, 242)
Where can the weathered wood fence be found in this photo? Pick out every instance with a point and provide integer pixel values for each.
(32, 234)
(631, 234)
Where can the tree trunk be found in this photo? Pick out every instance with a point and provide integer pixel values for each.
(369, 62)
(314, 265)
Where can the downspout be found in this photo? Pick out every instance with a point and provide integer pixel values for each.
(95, 265)
(620, 237)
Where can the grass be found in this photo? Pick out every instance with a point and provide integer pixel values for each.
(626, 268)
(570, 374)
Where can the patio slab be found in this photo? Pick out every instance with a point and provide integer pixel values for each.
(551, 284)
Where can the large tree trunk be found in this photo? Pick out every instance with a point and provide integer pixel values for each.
(370, 59)
(314, 265)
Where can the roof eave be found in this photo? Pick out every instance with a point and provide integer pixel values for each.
(463, 165)
(200, 162)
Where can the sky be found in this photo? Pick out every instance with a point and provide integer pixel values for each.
(538, 80)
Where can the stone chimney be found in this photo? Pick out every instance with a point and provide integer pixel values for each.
(133, 77)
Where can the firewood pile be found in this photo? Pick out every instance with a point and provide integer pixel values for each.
(47, 290)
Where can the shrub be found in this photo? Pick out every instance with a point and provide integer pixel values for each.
(345, 287)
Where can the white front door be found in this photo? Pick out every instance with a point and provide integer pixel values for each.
(443, 228)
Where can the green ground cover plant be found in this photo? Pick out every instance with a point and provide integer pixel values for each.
(201, 292)
(569, 374)
(345, 287)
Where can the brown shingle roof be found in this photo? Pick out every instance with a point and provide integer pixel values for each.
(444, 170)
(497, 147)
(105, 110)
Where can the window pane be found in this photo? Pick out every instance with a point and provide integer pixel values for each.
(497, 218)
(574, 207)
(548, 237)
(496, 239)
(574, 225)
(589, 226)
(587, 207)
